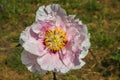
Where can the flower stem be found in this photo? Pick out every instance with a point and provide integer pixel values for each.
(54, 76)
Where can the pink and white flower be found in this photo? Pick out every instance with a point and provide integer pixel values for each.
(54, 42)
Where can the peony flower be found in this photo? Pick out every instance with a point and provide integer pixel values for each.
(54, 42)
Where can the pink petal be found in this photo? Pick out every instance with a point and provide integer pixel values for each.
(36, 27)
(28, 35)
(71, 60)
(84, 47)
(49, 12)
(30, 61)
(67, 58)
(52, 62)
(55, 10)
(24, 36)
(35, 47)
(71, 31)
(52, 13)
(41, 26)
(82, 63)
(78, 40)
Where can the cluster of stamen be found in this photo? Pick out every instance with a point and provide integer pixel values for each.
(55, 39)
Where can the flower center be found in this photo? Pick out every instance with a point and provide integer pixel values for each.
(55, 39)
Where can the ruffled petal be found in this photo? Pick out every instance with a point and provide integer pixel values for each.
(80, 65)
(30, 61)
(28, 35)
(41, 14)
(36, 47)
(52, 62)
(70, 18)
(67, 59)
(36, 27)
(33, 42)
(86, 43)
(71, 60)
(49, 12)
(83, 54)
(78, 40)
(52, 13)
(57, 10)
(71, 31)
(77, 35)
(24, 36)
(84, 48)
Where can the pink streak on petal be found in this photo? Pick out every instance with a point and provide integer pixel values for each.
(34, 35)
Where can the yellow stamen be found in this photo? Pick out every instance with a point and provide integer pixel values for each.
(55, 39)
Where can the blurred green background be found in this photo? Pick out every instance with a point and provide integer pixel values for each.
(102, 18)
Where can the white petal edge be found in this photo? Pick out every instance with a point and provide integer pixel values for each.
(41, 14)
(83, 54)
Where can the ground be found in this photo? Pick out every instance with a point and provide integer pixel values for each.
(102, 18)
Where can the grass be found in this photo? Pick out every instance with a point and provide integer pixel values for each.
(102, 19)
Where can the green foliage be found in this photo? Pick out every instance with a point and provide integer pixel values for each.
(93, 5)
(14, 61)
(34, 76)
(72, 77)
(116, 55)
(10, 8)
